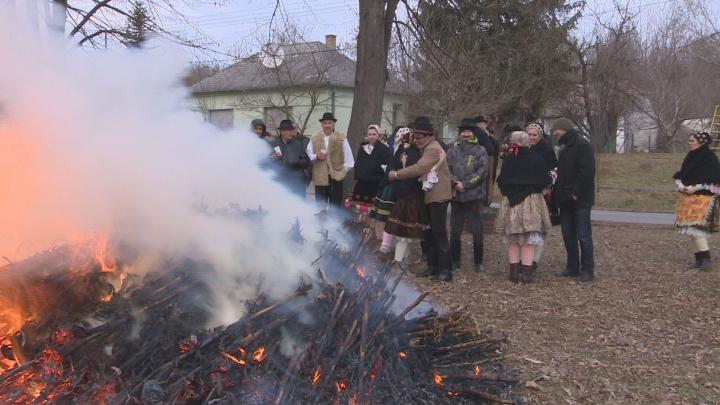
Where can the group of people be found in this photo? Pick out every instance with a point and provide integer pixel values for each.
(406, 184)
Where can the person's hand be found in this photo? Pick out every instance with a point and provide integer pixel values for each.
(392, 176)
(574, 197)
(321, 155)
(685, 190)
(276, 155)
(459, 187)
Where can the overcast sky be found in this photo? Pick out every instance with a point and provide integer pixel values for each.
(232, 24)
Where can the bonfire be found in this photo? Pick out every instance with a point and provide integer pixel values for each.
(77, 327)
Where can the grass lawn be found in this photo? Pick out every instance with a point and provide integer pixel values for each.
(635, 181)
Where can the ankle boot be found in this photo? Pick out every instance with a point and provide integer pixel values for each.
(527, 273)
(698, 259)
(444, 275)
(706, 263)
(514, 274)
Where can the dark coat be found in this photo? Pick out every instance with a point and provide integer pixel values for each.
(403, 188)
(468, 163)
(547, 153)
(294, 164)
(369, 167)
(575, 186)
(700, 167)
(521, 175)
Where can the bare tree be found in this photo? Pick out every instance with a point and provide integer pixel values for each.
(602, 89)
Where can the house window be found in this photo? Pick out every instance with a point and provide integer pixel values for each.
(222, 119)
(273, 116)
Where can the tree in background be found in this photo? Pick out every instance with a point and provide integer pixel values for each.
(501, 56)
(137, 26)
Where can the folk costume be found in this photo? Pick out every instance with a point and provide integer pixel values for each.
(697, 211)
(328, 174)
(372, 160)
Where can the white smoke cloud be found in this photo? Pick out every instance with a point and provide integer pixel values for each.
(105, 141)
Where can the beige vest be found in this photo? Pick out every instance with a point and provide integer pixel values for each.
(333, 166)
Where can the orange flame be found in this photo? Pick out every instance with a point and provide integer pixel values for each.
(438, 379)
(402, 355)
(477, 370)
(341, 385)
(103, 255)
(360, 272)
(258, 355)
(316, 375)
(232, 358)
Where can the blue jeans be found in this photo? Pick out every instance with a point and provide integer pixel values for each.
(577, 230)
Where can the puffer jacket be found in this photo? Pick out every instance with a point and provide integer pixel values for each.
(468, 163)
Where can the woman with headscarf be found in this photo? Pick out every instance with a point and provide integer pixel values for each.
(540, 144)
(383, 204)
(407, 217)
(698, 182)
(372, 159)
(523, 217)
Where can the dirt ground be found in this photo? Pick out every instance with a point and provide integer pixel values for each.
(646, 331)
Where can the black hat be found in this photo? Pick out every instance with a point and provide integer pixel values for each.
(286, 124)
(422, 124)
(328, 116)
(466, 123)
(480, 118)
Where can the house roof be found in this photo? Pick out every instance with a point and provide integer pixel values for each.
(303, 64)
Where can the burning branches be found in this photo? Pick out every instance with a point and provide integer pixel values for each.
(325, 343)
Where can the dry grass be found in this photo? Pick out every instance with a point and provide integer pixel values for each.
(647, 331)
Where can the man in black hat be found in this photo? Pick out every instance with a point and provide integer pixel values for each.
(468, 163)
(331, 158)
(492, 147)
(432, 169)
(289, 151)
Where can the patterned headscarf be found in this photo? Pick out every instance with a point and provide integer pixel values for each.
(535, 125)
(403, 136)
(703, 138)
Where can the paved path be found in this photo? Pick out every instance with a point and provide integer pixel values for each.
(628, 217)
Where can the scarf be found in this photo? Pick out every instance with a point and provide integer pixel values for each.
(700, 166)
(523, 173)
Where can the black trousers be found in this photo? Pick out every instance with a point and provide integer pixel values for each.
(460, 212)
(332, 194)
(435, 239)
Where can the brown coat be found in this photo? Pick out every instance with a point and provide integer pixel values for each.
(430, 156)
(333, 165)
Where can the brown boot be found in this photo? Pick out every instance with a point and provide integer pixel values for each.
(527, 273)
(514, 274)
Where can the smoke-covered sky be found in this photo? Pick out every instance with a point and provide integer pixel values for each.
(103, 143)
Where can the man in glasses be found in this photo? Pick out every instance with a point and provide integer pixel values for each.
(432, 169)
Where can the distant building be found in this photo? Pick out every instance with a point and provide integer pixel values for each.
(298, 81)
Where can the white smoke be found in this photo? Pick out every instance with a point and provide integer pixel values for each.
(105, 141)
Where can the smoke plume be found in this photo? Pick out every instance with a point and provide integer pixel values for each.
(106, 143)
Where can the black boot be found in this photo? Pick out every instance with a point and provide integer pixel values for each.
(585, 277)
(706, 263)
(478, 254)
(434, 273)
(514, 274)
(698, 259)
(444, 275)
(568, 273)
(527, 274)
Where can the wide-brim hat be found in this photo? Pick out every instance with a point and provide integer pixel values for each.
(480, 118)
(466, 123)
(286, 124)
(328, 116)
(423, 125)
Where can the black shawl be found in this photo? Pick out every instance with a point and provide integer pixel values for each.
(701, 166)
(521, 175)
(547, 153)
(368, 167)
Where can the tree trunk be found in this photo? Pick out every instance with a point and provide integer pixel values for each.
(371, 75)
(56, 22)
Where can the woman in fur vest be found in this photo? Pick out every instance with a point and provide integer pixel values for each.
(523, 217)
(698, 182)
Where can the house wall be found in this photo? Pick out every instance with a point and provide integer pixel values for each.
(247, 106)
